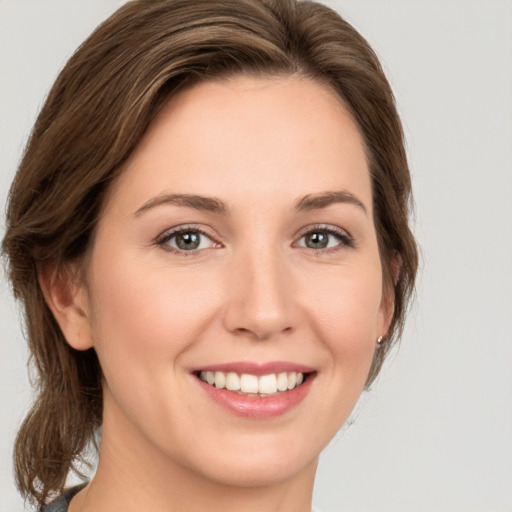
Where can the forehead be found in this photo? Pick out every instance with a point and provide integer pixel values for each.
(274, 137)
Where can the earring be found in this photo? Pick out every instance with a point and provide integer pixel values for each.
(380, 339)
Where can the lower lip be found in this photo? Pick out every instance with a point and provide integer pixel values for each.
(259, 406)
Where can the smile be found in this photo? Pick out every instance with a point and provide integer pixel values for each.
(250, 384)
(257, 391)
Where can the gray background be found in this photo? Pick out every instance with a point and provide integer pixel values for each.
(435, 433)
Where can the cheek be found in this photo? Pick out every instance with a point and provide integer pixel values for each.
(347, 315)
(145, 318)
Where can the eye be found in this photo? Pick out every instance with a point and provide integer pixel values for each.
(319, 238)
(186, 240)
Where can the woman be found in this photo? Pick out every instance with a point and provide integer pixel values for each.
(209, 233)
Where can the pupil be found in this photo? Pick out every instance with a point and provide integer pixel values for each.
(317, 240)
(188, 240)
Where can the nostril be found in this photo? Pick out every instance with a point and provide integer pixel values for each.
(260, 302)
(262, 331)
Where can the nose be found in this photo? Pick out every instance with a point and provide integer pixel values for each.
(260, 299)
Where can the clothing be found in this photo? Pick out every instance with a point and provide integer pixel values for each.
(61, 504)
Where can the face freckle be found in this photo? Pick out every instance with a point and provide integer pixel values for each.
(239, 237)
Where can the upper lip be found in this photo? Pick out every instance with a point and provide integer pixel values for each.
(254, 368)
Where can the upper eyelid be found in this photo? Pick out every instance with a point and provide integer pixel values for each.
(324, 227)
(186, 227)
(207, 230)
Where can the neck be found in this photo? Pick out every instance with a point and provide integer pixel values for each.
(132, 475)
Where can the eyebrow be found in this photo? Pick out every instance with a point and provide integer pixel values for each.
(211, 204)
(325, 199)
(208, 204)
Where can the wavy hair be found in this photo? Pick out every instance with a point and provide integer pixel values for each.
(94, 116)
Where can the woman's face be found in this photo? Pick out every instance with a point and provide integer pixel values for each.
(237, 248)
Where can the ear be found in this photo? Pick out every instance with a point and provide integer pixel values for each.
(388, 294)
(68, 301)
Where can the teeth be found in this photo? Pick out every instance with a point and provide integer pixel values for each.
(292, 380)
(232, 381)
(267, 384)
(247, 383)
(282, 381)
(220, 380)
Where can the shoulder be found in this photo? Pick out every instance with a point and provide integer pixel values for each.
(61, 503)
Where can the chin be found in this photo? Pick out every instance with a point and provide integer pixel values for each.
(260, 464)
(261, 473)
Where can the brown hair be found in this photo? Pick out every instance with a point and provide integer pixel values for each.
(97, 111)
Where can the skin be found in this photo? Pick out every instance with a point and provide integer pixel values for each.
(253, 291)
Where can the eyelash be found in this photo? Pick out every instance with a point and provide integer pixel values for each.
(164, 239)
(345, 240)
